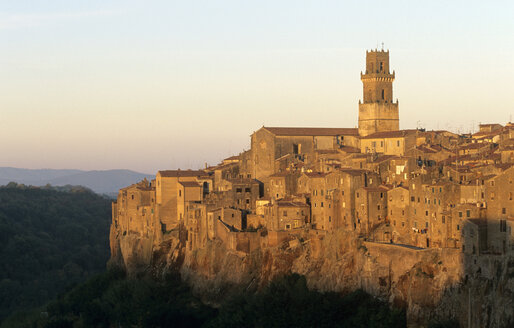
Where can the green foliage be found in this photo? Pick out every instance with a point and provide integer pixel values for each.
(444, 324)
(111, 300)
(287, 302)
(50, 238)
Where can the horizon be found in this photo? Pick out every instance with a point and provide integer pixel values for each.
(112, 84)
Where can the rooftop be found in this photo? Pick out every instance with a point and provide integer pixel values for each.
(390, 134)
(302, 131)
(182, 173)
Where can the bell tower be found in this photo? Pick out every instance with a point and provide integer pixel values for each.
(377, 112)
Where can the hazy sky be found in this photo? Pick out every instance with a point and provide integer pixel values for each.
(150, 85)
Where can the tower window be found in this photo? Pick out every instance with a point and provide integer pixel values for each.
(381, 66)
(382, 94)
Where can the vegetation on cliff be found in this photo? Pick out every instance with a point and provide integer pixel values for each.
(50, 238)
(111, 299)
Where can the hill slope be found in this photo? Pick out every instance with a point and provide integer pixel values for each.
(49, 239)
(102, 182)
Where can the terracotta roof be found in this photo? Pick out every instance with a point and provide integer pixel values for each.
(385, 158)
(350, 149)
(315, 174)
(389, 134)
(282, 131)
(354, 171)
(189, 184)
(475, 145)
(182, 173)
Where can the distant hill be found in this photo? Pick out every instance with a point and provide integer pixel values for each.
(102, 182)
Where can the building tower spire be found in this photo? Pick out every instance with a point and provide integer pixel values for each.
(378, 112)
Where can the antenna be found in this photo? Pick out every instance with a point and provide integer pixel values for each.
(382, 46)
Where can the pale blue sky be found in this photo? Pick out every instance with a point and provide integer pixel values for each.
(150, 85)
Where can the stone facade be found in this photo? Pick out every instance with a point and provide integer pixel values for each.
(378, 112)
(380, 187)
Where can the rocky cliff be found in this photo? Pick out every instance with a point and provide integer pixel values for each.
(431, 284)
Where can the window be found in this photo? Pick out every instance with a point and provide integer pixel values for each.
(321, 192)
(378, 207)
(247, 201)
(398, 143)
(180, 193)
(321, 204)
(426, 213)
(247, 190)
(503, 225)
(284, 213)
(403, 212)
(426, 224)
(413, 199)
(357, 195)
(504, 210)
(510, 196)
(288, 226)
(458, 227)
(329, 219)
(381, 195)
(443, 220)
(460, 214)
(468, 213)
(381, 67)
(239, 189)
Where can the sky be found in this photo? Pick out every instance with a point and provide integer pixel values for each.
(150, 85)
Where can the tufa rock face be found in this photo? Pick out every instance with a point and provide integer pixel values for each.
(430, 284)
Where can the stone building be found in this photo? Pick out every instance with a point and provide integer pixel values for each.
(389, 142)
(168, 195)
(429, 189)
(378, 112)
(270, 144)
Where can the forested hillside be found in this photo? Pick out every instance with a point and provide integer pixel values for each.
(111, 300)
(50, 238)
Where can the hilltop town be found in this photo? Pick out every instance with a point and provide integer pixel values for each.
(388, 190)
